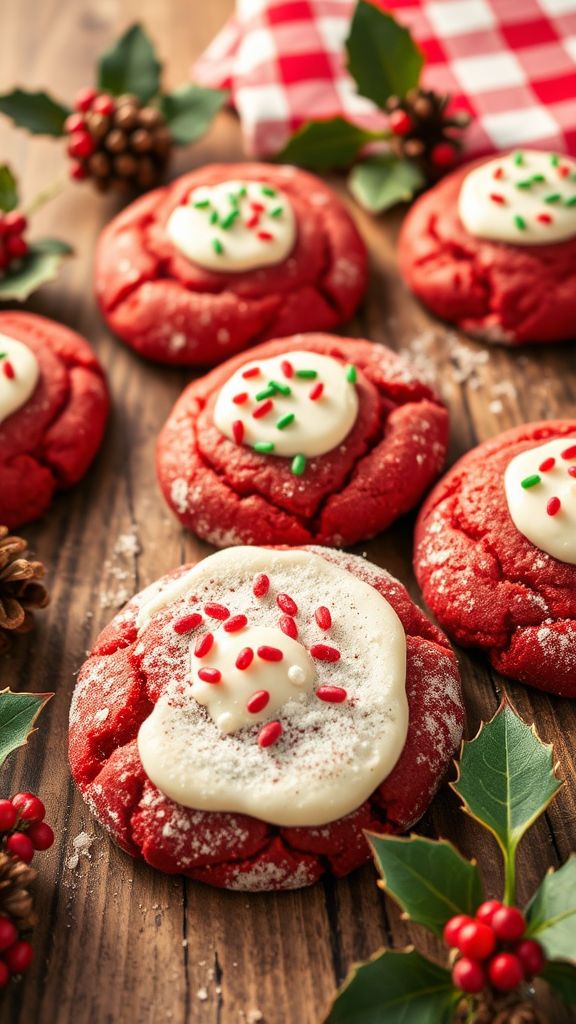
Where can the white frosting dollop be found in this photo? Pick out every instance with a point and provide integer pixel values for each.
(540, 486)
(234, 226)
(330, 756)
(322, 405)
(19, 373)
(526, 198)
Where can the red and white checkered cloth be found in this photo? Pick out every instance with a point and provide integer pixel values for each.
(511, 63)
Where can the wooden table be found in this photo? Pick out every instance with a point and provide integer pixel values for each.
(119, 943)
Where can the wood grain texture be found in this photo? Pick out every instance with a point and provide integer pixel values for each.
(119, 943)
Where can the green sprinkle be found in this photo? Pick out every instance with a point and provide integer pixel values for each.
(241, 192)
(520, 222)
(264, 446)
(217, 246)
(307, 374)
(2, 355)
(526, 183)
(351, 373)
(554, 159)
(266, 393)
(518, 159)
(214, 217)
(229, 219)
(530, 481)
(232, 198)
(537, 178)
(555, 197)
(298, 465)
(277, 211)
(286, 421)
(571, 201)
(280, 389)
(202, 204)
(267, 191)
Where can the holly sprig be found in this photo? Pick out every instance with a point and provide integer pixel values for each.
(18, 714)
(506, 780)
(386, 65)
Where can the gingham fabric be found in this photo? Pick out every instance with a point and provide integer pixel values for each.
(511, 63)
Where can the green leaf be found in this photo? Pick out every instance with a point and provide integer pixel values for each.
(551, 913)
(382, 56)
(396, 986)
(189, 110)
(18, 712)
(428, 878)
(506, 780)
(131, 65)
(561, 976)
(40, 265)
(326, 144)
(35, 111)
(382, 181)
(8, 189)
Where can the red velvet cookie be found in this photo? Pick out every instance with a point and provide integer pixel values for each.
(242, 721)
(496, 553)
(53, 409)
(492, 248)
(309, 438)
(226, 256)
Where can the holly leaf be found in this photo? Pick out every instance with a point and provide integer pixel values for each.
(131, 65)
(396, 986)
(428, 878)
(506, 780)
(35, 111)
(322, 145)
(383, 58)
(41, 264)
(382, 181)
(189, 110)
(551, 913)
(8, 189)
(18, 712)
(561, 976)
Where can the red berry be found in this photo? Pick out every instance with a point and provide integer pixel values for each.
(476, 940)
(508, 924)
(20, 846)
(4, 974)
(505, 971)
(19, 956)
(29, 807)
(453, 926)
(400, 122)
(78, 171)
(531, 956)
(85, 98)
(40, 835)
(8, 933)
(15, 222)
(104, 104)
(81, 144)
(486, 911)
(16, 246)
(443, 155)
(74, 123)
(468, 975)
(8, 815)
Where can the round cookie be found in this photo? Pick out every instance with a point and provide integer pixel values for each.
(226, 256)
(492, 248)
(495, 553)
(243, 720)
(53, 410)
(284, 445)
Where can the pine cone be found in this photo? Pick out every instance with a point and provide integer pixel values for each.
(118, 143)
(510, 1009)
(20, 588)
(16, 901)
(424, 130)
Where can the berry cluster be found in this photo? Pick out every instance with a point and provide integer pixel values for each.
(492, 950)
(22, 832)
(13, 245)
(424, 130)
(116, 141)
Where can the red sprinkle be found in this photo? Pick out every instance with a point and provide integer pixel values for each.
(257, 701)
(544, 218)
(286, 604)
(497, 198)
(563, 170)
(238, 431)
(9, 370)
(269, 653)
(572, 470)
(235, 623)
(323, 617)
(253, 221)
(498, 173)
(252, 372)
(547, 464)
(265, 236)
(216, 611)
(240, 398)
(288, 626)
(209, 675)
(287, 368)
(553, 506)
(332, 694)
(569, 453)
(187, 623)
(204, 645)
(270, 734)
(263, 409)
(324, 653)
(258, 207)
(316, 392)
(245, 658)
(261, 585)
